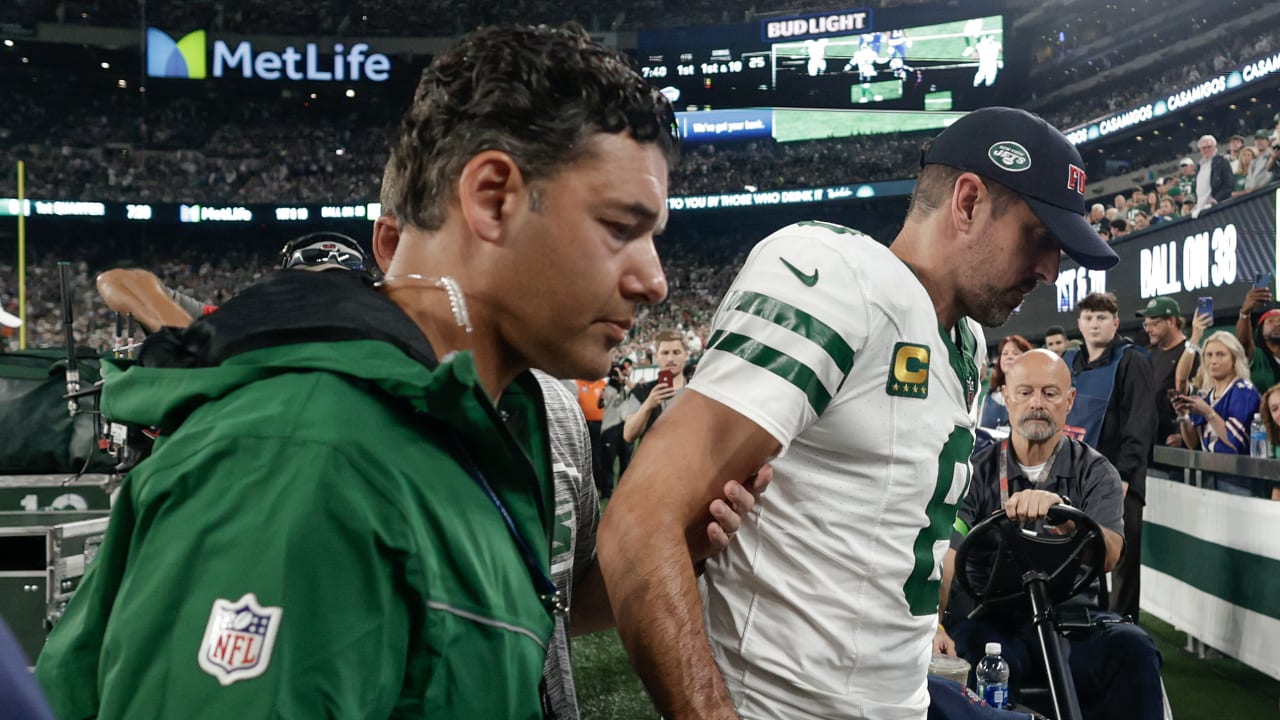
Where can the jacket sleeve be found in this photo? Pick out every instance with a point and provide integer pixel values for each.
(1221, 180)
(1138, 402)
(262, 581)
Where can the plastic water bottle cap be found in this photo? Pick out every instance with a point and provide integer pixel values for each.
(993, 648)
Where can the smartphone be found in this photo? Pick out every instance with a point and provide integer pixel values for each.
(666, 377)
(1205, 306)
(1263, 281)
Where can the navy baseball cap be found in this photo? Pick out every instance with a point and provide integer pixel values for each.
(1032, 158)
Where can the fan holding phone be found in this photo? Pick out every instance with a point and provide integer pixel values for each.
(1261, 341)
(649, 399)
(1217, 419)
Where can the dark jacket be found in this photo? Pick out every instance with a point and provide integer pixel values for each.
(1129, 426)
(1222, 182)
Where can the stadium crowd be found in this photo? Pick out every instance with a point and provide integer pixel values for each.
(432, 18)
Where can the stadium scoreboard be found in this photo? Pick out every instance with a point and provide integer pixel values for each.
(841, 60)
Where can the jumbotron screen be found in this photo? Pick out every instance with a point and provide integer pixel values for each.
(945, 66)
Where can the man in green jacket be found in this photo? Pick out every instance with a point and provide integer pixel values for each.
(349, 509)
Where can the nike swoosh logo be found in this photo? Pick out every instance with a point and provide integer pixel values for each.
(809, 279)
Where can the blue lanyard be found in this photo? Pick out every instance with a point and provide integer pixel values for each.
(551, 597)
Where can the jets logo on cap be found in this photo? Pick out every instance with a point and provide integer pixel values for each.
(1010, 156)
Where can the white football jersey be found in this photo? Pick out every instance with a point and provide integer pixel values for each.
(826, 605)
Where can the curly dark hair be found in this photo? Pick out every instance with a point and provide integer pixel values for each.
(536, 94)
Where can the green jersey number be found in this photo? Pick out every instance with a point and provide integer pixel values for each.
(921, 590)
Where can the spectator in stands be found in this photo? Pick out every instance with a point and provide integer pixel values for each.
(1140, 221)
(1221, 413)
(616, 396)
(1262, 147)
(1214, 179)
(1119, 228)
(1115, 666)
(1261, 342)
(1166, 212)
(1271, 419)
(1234, 144)
(1055, 339)
(1137, 203)
(1253, 173)
(994, 413)
(649, 399)
(1115, 412)
(1186, 180)
(1121, 204)
(1098, 216)
(1162, 321)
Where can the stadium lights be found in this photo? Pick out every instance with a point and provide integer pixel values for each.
(26, 60)
(313, 96)
(749, 188)
(122, 84)
(351, 92)
(104, 65)
(8, 43)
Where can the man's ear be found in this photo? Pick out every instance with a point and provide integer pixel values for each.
(490, 189)
(965, 196)
(386, 238)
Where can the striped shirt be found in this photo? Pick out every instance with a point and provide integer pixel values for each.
(573, 545)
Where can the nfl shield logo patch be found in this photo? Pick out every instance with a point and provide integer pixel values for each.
(238, 640)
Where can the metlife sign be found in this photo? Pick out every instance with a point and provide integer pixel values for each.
(191, 58)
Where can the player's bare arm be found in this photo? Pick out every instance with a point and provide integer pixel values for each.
(644, 548)
(590, 605)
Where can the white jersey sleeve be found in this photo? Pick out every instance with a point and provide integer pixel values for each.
(787, 333)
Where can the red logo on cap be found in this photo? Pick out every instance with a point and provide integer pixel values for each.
(1075, 179)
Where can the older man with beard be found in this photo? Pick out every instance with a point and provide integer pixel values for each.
(1116, 667)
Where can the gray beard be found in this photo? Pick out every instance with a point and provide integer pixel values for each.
(1037, 430)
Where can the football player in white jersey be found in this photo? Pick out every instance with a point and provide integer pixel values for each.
(988, 61)
(855, 366)
(817, 50)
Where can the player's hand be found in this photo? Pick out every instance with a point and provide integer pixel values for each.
(727, 512)
(1254, 298)
(942, 643)
(1030, 504)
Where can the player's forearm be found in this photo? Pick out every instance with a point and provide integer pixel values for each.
(655, 599)
(589, 609)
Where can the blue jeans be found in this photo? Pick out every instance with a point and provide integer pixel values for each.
(1116, 667)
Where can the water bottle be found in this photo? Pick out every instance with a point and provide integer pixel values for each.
(1258, 438)
(993, 677)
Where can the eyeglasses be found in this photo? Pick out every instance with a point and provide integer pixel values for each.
(322, 248)
(312, 256)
